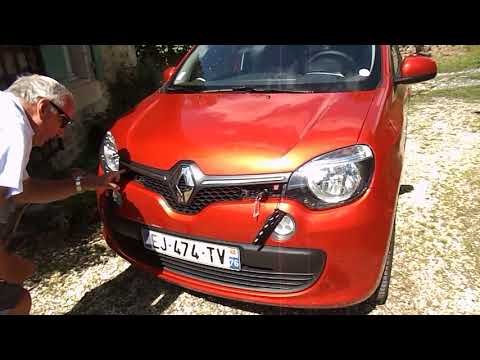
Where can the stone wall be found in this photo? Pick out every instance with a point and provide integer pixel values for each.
(76, 136)
(92, 98)
(115, 57)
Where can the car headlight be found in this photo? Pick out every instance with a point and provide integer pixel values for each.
(109, 157)
(334, 178)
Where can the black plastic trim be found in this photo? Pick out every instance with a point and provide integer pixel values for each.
(269, 226)
(414, 79)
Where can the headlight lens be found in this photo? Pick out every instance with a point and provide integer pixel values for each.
(333, 179)
(109, 157)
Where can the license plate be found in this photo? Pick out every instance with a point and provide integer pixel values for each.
(200, 252)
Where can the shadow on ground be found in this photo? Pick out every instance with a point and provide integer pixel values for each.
(61, 237)
(274, 310)
(133, 292)
(59, 254)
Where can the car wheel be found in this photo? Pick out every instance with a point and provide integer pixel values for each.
(380, 296)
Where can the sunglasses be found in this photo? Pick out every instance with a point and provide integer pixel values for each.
(66, 120)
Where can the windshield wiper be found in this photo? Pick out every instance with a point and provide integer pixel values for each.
(201, 88)
(180, 88)
(257, 90)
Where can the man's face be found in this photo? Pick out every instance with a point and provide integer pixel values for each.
(54, 118)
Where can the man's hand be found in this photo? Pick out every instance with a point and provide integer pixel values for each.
(107, 181)
(37, 191)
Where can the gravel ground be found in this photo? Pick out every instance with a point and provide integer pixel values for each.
(436, 268)
(451, 81)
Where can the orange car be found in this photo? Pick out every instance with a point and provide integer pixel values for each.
(266, 173)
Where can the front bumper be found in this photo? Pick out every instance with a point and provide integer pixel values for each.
(335, 259)
(270, 269)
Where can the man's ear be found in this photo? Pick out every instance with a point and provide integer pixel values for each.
(43, 107)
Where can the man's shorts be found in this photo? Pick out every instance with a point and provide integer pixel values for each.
(10, 295)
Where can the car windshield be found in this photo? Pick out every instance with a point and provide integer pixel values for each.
(279, 68)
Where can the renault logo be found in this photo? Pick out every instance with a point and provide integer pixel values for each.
(184, 184)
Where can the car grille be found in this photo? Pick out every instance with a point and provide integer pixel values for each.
(207, 195)
(249, 278)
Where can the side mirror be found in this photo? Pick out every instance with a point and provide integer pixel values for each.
(415, 69)
(168, 73)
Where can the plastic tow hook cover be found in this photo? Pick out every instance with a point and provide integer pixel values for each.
(270, 225)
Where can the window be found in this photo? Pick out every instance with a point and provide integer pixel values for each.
(18, 60)
(318, 68)
(79, 62)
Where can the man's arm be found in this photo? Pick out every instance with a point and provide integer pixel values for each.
(45, 191)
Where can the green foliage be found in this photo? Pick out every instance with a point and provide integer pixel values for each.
(161, 56)
(130, 87)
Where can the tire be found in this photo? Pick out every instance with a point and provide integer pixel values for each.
(380, 296)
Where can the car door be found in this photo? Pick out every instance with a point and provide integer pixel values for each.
(399, 98)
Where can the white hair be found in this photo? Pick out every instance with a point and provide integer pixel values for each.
(31, 88)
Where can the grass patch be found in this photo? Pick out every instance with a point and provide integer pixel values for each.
(466, 93)
(469, 58)
(474, 76)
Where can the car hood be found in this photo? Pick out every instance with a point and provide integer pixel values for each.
(246, 133)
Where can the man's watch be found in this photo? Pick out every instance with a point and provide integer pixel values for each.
(78, 183)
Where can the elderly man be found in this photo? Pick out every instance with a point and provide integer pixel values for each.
(33, 110)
